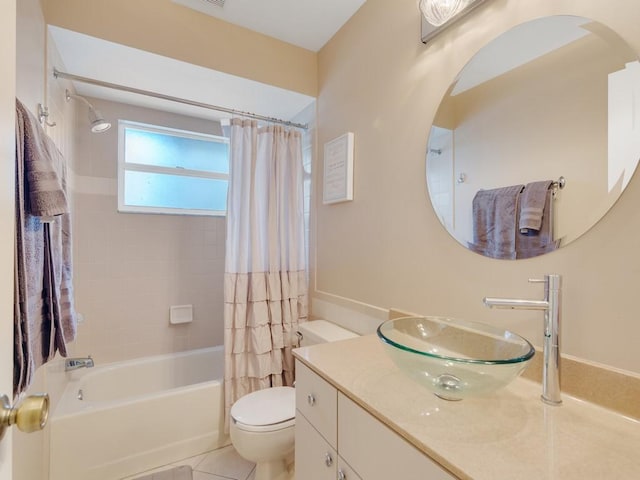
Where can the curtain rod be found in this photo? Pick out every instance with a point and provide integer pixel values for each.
(69, 76)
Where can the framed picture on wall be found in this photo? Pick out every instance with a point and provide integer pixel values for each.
(338, 170)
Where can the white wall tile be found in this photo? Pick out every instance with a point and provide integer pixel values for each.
(130, 268)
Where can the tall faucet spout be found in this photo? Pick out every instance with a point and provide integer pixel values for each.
(551, 305)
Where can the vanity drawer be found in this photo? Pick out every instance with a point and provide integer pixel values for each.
(315, 459)
(376, 452)
(317, 400)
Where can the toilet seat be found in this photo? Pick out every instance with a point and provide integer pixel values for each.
(264, 428)
(265, 410)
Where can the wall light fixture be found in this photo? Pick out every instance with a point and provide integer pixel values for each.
(440, 14)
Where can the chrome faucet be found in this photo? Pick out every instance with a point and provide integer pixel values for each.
(551, 348)
(75, 363)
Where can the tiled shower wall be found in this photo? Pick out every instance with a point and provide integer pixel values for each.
(129, 267)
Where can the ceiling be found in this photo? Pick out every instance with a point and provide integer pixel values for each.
(306, 23)
(519, 46)
(110, 62)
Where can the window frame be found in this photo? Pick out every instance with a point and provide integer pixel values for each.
(123, 166)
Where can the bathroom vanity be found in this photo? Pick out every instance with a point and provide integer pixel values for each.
(335, 438)
(359, 417)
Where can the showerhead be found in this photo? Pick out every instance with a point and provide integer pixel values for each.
(96, 120)
(98, 123)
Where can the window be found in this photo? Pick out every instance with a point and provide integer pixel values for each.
(164, 170)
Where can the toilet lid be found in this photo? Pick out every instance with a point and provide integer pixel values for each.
(266, 407)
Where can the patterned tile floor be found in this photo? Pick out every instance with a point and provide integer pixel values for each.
(221, 464)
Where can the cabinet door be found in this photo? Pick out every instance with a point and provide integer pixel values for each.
(378, 453)
(315, 458)
(317, 400)
(345, 472)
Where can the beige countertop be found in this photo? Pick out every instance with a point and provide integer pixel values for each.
(508, 435)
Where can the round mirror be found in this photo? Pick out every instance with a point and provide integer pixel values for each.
(536, 138)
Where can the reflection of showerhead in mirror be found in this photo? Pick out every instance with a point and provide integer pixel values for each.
(96, 120)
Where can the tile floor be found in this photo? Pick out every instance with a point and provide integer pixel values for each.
(221, 464)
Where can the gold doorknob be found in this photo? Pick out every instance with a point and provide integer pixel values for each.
(30, 416)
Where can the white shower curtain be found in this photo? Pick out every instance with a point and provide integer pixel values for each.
(265, 287)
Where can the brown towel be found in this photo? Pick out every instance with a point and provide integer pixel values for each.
(44, 316)
(494, 222)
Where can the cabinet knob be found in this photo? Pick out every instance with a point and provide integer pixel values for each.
(341, 475)
(311, 400)
(328, 459)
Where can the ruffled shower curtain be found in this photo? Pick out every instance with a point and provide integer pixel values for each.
(265, 284)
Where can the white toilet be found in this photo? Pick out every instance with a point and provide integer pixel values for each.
(262, 422)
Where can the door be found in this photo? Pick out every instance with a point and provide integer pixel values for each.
(7, 186)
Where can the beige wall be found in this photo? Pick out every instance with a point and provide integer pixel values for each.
(130, 268)
(31, 52)
(388, 249)
(169, 29)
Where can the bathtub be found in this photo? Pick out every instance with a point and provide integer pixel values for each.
(122, 418)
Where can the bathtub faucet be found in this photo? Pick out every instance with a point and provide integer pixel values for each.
(551, 305)
(75, 363)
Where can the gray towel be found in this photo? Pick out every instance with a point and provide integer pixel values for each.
(44, 316)
(532, 202)
(494, 221)
(45, 194)
(538, 242)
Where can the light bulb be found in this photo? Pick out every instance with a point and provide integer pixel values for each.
(439, 12)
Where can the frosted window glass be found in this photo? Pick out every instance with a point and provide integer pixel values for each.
(172, 151)
(164, 170)
(145, 189)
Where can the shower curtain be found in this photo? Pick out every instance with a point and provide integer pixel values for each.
(265, 284)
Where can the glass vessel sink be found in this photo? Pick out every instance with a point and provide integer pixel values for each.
(455, 359)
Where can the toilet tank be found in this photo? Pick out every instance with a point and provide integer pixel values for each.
(321, 331)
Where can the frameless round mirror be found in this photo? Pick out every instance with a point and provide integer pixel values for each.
(552, 102)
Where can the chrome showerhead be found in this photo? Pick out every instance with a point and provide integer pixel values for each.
(96, 120)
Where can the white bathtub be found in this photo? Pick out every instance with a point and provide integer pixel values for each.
(137, 415)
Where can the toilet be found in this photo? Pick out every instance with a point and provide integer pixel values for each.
(262, 422)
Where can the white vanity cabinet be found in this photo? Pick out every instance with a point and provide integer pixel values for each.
(315, 458)
(337, 439)
(318, 402)
(316, 427)
(378, 453)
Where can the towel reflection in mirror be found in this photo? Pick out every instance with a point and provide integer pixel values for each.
(515, 221)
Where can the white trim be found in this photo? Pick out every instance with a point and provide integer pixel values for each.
(351, 314)
(184, 172)
(176, 132)
(8, 21)
(171, 211)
